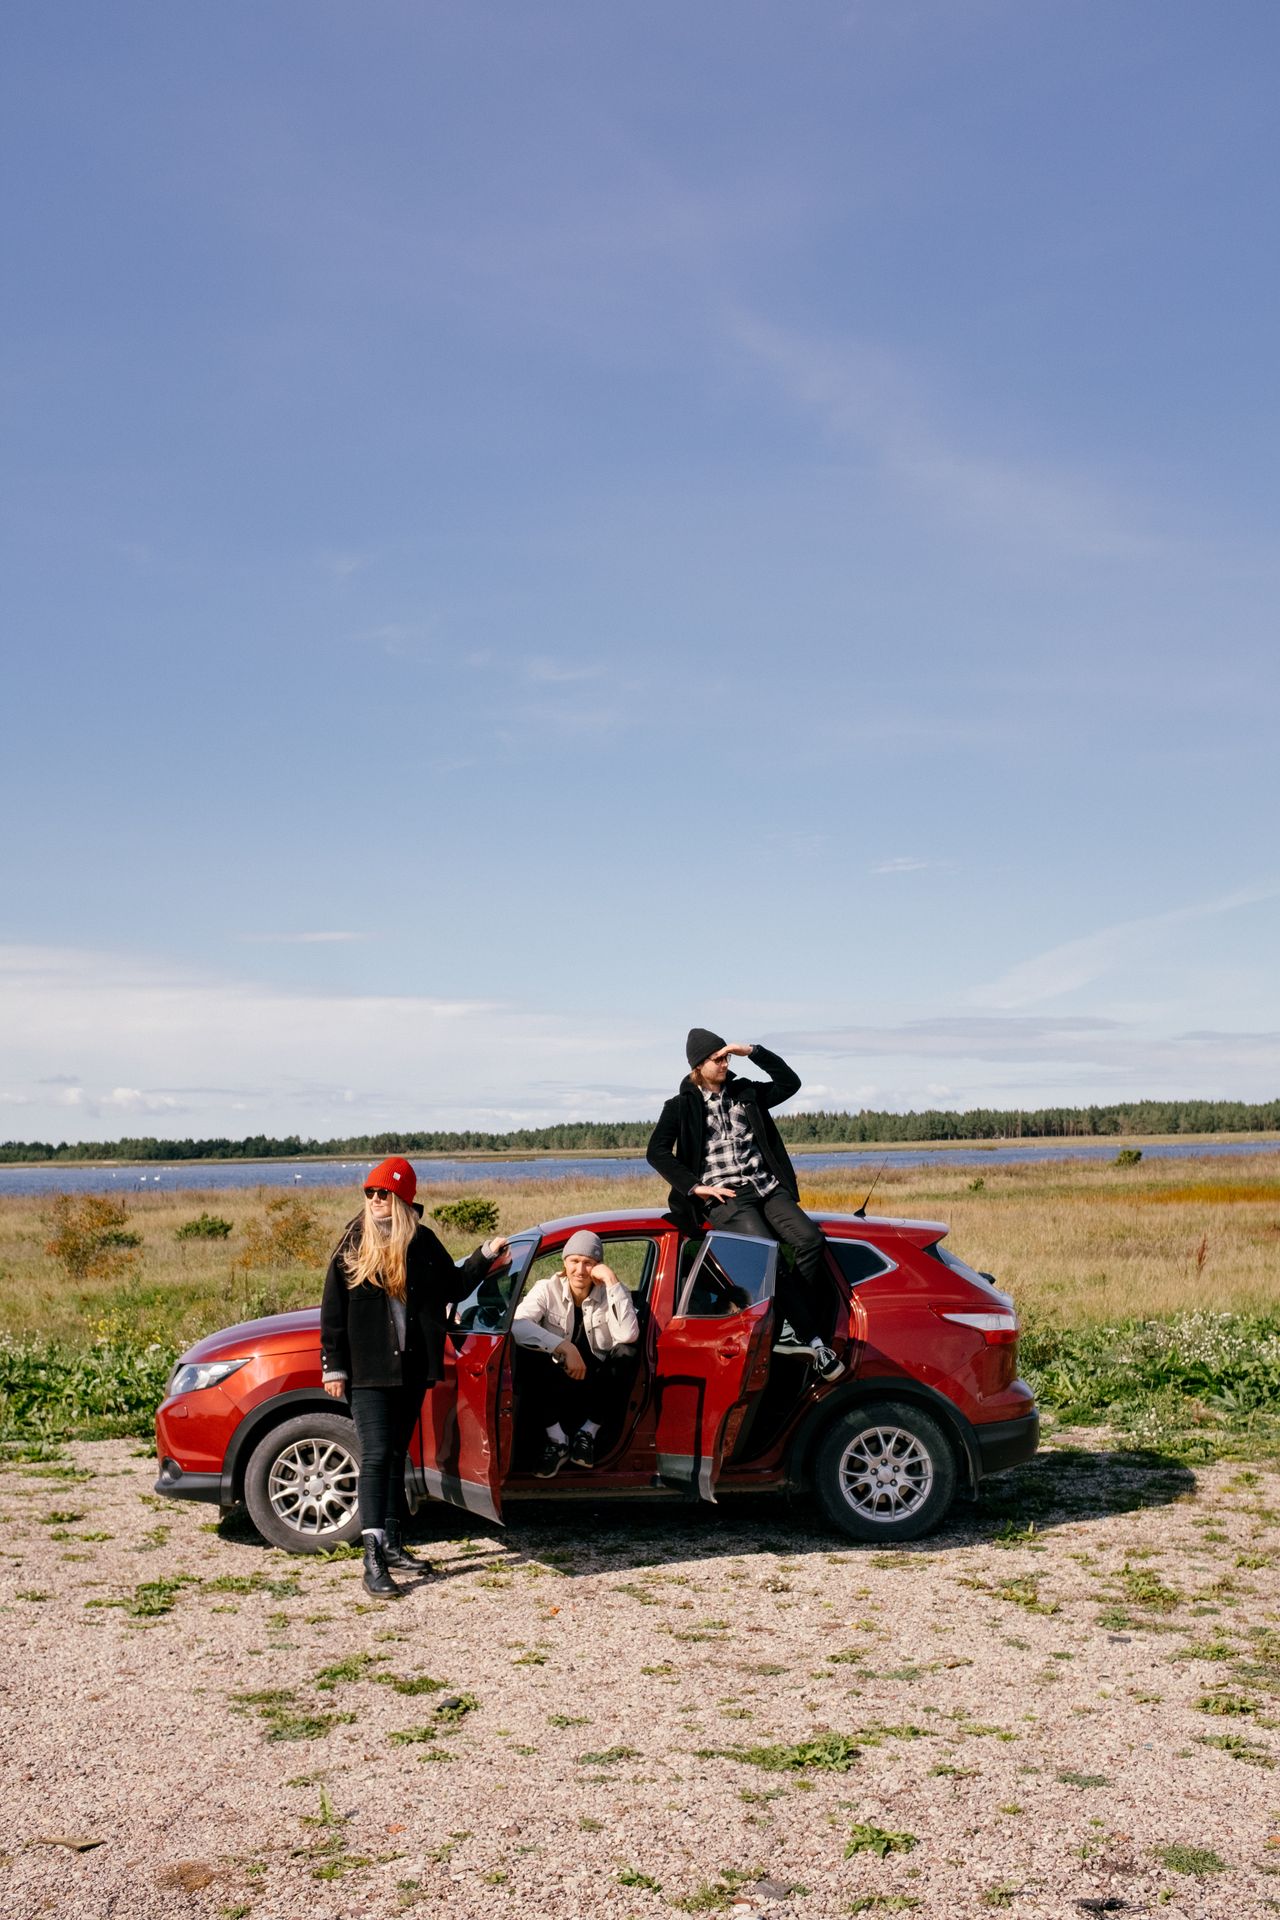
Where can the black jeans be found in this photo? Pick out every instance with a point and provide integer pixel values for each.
(551, 1396)
(385, 1418)
(779, 1217)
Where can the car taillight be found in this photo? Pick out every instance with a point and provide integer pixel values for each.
(997, 1329)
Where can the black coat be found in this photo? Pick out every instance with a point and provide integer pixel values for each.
(678, 1144)
(357, 1332)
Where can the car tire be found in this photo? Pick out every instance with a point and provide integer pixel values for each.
(885, 1471)
(301, 1483)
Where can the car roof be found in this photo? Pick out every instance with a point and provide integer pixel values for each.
(607, 1222)
(655, 1218)
(884, 1220)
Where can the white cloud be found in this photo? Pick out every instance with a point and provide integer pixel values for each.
(963, 1036)
(158, 1049)
(1078, 963)
(302, 939)
(549, 672)
(903, 864)
(342, 564)
(415, 642)
(863, 395)
(1033, 1060)
(136, 1100)
(235, 1055)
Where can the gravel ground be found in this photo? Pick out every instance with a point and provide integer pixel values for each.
(1027, 1712)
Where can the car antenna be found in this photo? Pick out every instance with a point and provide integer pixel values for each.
(860, 1213)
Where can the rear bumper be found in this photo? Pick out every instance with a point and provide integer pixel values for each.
(1006, 1443)
(189, 1486)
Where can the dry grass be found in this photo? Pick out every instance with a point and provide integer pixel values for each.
(1080, 1243)
(1077, 1242)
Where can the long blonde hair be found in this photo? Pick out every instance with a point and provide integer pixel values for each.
(376, 1259)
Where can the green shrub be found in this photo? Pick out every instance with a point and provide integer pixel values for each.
(205, 1226)
(471, 1214)
(1127, 1157)
(90, 1393)
(1152, 1377)
(287, 1235)
(91, 1238)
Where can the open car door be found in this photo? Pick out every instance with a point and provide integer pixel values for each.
(713, 1357)
(463, 1435)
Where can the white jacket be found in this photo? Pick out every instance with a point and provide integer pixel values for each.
(545, 1316)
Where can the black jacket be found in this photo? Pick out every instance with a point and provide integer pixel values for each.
(357, 1332)
(678, 1144)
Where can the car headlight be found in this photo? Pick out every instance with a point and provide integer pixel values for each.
(190, 1375)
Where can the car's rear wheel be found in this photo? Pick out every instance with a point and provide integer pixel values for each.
(301, 1483)
(885, 1472)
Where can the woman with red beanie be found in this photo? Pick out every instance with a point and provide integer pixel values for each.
(382, 1344)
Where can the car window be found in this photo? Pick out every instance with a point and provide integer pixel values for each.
(952, 1260)
(859, 1260)
(730, 1272)
(634, 1260)
(487, 1307)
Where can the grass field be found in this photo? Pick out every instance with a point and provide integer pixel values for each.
(1148, 1288)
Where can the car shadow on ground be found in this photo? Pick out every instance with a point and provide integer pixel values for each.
(1060, 1486)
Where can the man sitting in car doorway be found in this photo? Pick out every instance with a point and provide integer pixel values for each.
(581, 1338)
(717, 1145)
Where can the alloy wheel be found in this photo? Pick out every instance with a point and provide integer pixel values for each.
(885, 1474)
(313, 1486)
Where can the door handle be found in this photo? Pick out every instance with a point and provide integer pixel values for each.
(731, 1352)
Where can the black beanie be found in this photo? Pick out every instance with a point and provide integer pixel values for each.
(700, 1043)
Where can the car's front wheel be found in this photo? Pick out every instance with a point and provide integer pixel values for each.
(885, 1472)
(301, 1483)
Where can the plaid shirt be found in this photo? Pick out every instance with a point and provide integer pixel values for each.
(733, 1159)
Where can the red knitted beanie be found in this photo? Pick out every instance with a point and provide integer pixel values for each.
(394, 1176)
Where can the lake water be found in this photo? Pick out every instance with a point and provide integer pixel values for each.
(213, 1177)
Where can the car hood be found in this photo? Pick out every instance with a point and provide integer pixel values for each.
(280, 1330)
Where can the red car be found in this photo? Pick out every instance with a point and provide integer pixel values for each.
(929, 1401)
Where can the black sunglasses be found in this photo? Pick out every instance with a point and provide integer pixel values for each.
(378, 1193)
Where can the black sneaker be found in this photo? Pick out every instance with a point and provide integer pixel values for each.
(582, 1449)
(788, 1340)
(827, 1363)
(554, 1455)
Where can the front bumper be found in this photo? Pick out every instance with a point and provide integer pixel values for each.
(180, 1485)
(1006, 1443)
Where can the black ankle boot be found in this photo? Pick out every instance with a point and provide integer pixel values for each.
(395, 1553)
(376, 1578)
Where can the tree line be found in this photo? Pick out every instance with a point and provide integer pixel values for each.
(798, 1129)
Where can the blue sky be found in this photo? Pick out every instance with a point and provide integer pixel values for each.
(527, 527)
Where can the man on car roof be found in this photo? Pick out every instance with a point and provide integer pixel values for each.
(717, 1145)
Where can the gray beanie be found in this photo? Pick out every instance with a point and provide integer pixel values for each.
(586, 1243)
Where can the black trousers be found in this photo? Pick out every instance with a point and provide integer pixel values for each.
(551, 1396)
(384, 1418)
(779, 1217)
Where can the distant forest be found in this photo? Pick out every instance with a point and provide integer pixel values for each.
(798, 1129)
